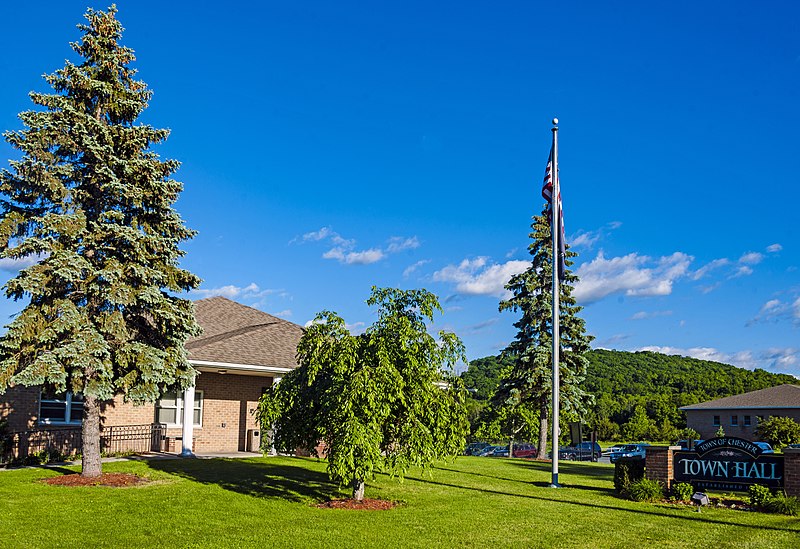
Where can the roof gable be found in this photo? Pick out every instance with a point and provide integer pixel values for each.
(237, 334)
(782, 396)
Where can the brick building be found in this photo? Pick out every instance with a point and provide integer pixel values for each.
(241, 352)
(738, 415)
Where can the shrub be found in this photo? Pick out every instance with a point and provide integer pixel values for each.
(682, 491)
(783, 504)
(645, 489)
(627, 471)
(759, 496)
(778, 431)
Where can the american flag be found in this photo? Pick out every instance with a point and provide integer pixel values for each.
(547, 194)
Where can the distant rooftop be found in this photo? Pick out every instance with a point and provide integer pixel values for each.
(782, 396)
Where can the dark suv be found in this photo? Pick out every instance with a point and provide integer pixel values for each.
(585, 451)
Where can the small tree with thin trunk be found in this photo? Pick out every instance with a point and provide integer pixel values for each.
(508, 417)
(92, 205)
(384, 400)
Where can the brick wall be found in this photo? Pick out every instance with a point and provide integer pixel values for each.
(20, 405)
(119, 412)
(791, 471)
(702, 421)
(658, 464)
(229, 403)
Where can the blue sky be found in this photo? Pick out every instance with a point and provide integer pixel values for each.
(327, 147)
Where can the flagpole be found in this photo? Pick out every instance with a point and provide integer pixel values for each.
(555, 211)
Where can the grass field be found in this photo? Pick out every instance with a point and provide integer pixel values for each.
(268, 502)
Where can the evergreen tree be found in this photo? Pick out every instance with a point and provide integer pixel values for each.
(531, 349)
(93, 204)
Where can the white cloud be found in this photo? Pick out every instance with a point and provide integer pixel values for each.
(641, 315)
(776, 310)
(364, 257)
(356, 328)
(587, 239)
(481, 326)
(321, 234)
(14, 264)
(743, 270)
(411, 268)
(584, 240)
(251, 291)
(286, 313)
(773, 248)
(751, 258)
(399, 243)
(479, 277)
(344, 249)
(708, 267)
(632, 275)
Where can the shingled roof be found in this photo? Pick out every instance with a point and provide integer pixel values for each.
(237, 334)
(782, 396)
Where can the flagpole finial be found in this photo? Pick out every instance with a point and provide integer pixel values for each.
(555, 121)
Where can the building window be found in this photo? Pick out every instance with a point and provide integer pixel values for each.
(169, 409)
(61, 408)
(716, 421)
(747, 421)
(734, 421)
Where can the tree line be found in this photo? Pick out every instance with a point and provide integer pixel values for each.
(634, 395)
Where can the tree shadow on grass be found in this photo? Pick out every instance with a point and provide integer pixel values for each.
(690, 517)
(260, 479)
(544, 467)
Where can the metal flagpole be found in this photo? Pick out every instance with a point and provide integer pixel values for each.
(555, 229)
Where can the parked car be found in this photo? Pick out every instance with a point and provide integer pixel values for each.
(585, 451)
(475, 448)
(629, 451)
(611, 449)
(766, 448)
(500, 451)
(687, 444)
(488, 451)
(525, 450)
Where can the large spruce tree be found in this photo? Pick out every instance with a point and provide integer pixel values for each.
(94, 205)
(530, 379)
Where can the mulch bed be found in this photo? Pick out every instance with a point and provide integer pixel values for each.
(116, 480)
(365, 504)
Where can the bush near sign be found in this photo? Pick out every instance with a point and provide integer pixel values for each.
(728, 463)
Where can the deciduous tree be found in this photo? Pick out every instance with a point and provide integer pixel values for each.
(779, 431)
(376, 400)
(92, 204)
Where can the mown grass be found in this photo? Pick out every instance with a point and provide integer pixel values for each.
(269, 502)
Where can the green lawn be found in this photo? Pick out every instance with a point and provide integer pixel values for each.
(474, 502)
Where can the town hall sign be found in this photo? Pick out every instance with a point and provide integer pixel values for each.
(727, 463)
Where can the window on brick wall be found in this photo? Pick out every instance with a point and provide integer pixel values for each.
(60, 408)
(747, 421)
(169, 409)
(734, 421)
(716, 421)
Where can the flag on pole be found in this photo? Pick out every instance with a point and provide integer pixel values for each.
(547, 194)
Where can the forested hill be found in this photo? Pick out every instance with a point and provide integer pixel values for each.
(637, 395)
(644, 373)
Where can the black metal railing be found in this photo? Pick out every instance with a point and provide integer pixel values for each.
(66, 441)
